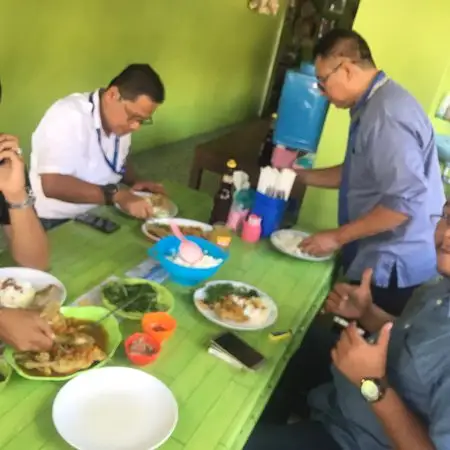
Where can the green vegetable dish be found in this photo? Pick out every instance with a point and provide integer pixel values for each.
(135, 297)
(216, 292)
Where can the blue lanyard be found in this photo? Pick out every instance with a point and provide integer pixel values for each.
(111, 164)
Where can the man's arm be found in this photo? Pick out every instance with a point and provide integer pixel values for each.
(73, 190)
(404, 428)
(27, 240)
(395, 158)
(374, 318)
(377, 221)
(329, 178)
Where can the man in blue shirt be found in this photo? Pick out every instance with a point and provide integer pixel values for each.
(389, 183)
(390, 392)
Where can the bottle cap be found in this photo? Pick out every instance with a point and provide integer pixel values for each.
(231, 164)
(253, 219)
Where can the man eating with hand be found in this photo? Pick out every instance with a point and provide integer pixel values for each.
(80, 149)
(388, 392)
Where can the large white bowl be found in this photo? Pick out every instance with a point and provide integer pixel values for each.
(115, 408)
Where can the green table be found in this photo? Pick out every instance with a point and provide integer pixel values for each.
(218, 404)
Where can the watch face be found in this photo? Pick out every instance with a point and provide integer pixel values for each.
(370, 390)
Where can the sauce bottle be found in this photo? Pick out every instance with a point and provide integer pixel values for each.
(266, 150)
(224, 196)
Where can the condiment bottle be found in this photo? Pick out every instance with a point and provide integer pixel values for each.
(251, 232)
(224, 196)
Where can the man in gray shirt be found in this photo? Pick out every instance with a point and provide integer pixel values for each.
(389, 392)
(389, 182)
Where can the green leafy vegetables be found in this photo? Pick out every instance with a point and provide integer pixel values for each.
(217, 292)
(134, 297)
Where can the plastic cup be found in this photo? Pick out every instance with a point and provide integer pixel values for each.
(159, 325)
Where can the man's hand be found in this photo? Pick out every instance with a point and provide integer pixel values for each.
(148, 186)
(134, 205)
(323, 243)
(8, 142)
(12, 174)
(25, 330)
(356, 359)
(351, 301)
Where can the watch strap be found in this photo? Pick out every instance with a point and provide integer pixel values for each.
(109, 190)
(26, 203)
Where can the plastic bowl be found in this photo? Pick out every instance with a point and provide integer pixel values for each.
(5, 372)
(137, 358)
(159, 325)
(186, 276)
(91, 313)
(163, 296)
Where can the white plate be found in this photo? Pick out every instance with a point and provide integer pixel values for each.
(179, 222)
(39, 280)
(115, 408)
(173, 209)
(286, 242)
(199, 294)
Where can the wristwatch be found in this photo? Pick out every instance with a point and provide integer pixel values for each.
(26, 203)
(109, 190)
(373, 389)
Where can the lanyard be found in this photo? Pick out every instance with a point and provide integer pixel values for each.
(111, 164)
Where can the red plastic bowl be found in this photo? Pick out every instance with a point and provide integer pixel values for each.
(138, 358)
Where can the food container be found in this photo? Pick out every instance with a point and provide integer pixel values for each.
(5, 374)
(165, 249)
(163, 297)
(137, 358)
(221, 235)
(159, 325)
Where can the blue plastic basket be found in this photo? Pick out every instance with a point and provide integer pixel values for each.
(186, 276)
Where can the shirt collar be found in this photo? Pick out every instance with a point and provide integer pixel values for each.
(378, 77)
(96, 110)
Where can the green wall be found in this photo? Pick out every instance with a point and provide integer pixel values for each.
(408, 41)
(214, 57)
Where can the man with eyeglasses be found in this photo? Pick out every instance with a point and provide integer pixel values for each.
(389, 181)
(80, 149)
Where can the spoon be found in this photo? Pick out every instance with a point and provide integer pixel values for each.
(188, 251)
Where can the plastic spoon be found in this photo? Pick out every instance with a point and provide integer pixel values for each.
(189, 251)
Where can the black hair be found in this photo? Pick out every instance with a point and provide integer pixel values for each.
(348, 43)
(139, 79)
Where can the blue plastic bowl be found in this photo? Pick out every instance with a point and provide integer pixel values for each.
(186, 276)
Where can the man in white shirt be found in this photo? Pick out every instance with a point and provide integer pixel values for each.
(81, 146)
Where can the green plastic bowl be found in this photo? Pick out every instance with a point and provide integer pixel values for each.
(163, 296)
(91, 313)
(6, 371)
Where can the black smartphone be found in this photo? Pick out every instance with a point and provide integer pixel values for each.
(99, 223)
(241, 351)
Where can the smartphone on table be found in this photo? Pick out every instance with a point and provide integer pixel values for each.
(239, 350)
(98, 223)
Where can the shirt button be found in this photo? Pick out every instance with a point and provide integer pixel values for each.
(439, 302)
(407, 325)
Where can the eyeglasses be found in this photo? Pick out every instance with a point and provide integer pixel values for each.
(444, 216)
(132, 117)
(323, 80)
